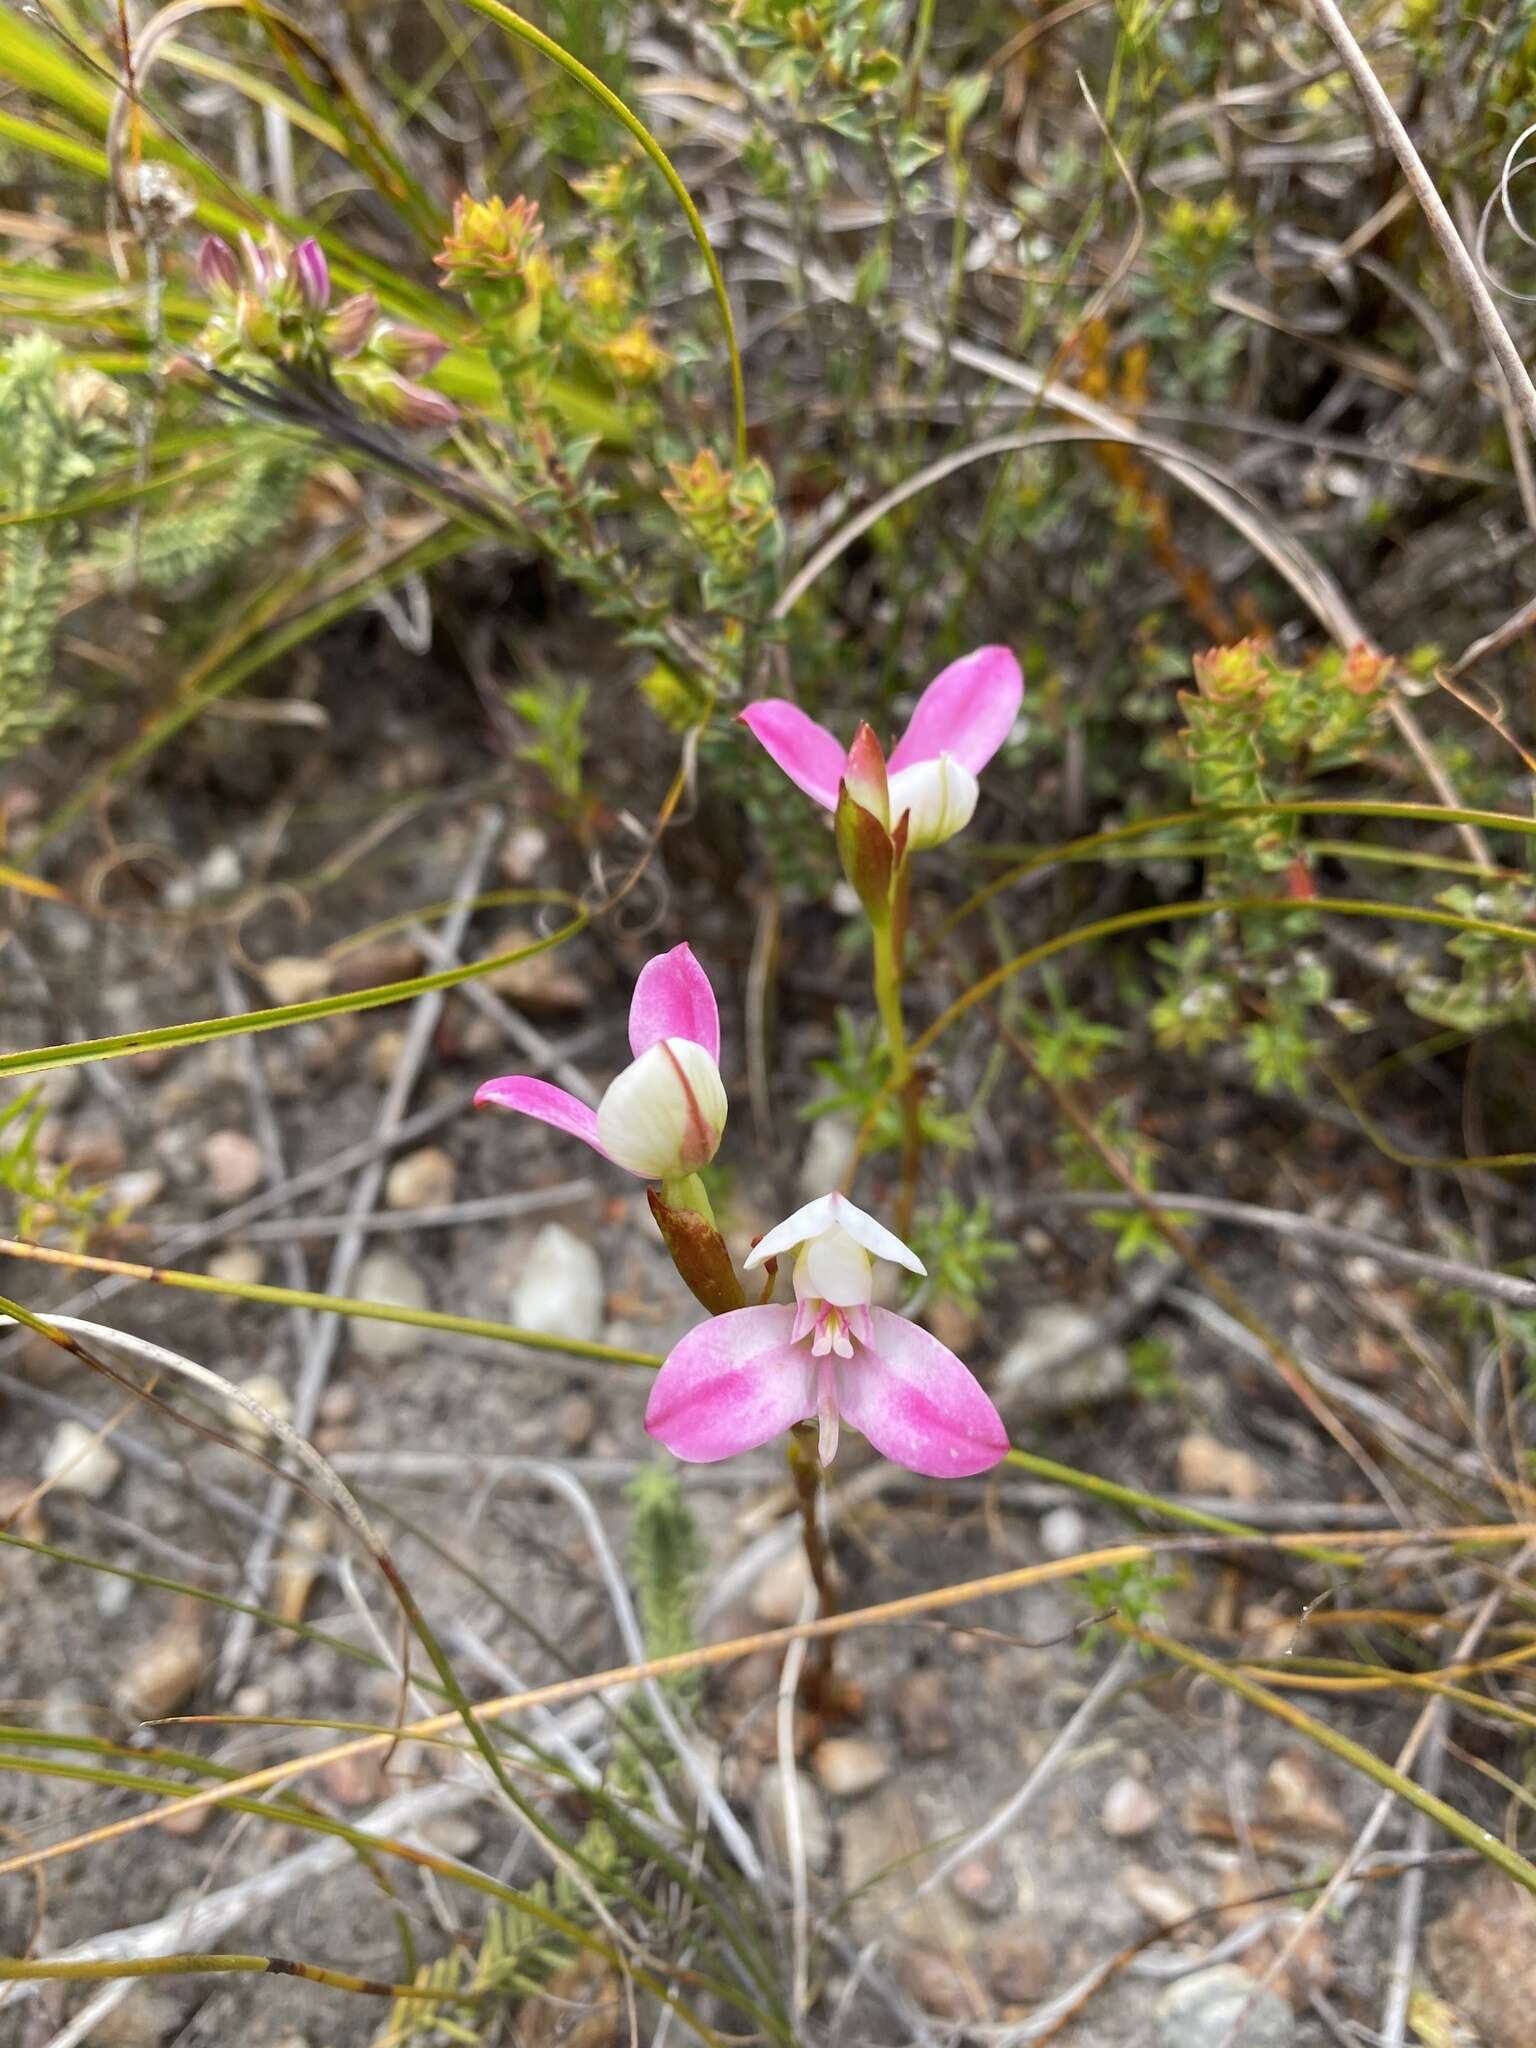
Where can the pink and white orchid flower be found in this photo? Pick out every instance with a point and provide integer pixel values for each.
(662, 1117)
(961, 720)
(741, 1379)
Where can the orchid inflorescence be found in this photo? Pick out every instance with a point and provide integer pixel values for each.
(749, 1373)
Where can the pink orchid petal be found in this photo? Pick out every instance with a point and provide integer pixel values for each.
(673, 999)
(733, 1383)
(917, 1404)
(967, 711)
(809, 755)
(538, 1099)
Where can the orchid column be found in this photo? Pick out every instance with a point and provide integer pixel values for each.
(886, 811)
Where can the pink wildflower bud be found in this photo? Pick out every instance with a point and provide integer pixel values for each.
(961, 720)
(865, 777)
(937, 797)
(866, 851)
(663, 1116)
(413, 405)
(260, 266)
(414, 351)
(311, 275)
(351, 323)
(217, 267)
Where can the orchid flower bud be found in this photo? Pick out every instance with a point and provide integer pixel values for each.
(663, 1116)
(260, 266)
(414, 405)
(938, 799)
(864, 775)
(311, 275)
(351, 323)
(218, 270)
(414, 351)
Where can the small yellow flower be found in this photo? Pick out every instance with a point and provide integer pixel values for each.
(490, 238)
(634, 356)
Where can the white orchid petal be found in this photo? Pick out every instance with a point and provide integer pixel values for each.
(834, 1212)
(806, 1222)
(835, 1267)
(938, 799)
(664, 1114)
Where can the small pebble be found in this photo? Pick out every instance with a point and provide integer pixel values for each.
(164, 1674)
(815, 1828)
(384, 1055)
(1019, 1966)
(1149, 1891)
(77, 1463)
(983, 1887)
(339, 1403)
(576, 1420)
(937, 1983)
(1130, 1809)
(1296, 1797)
(420, 1180)
(455, 1834)
(1206, 1466)
(234, 1165)
(241, 1264)
(1060, 1361)
(846, 1765)
(1202, 2011)
(390, 1279)
(293, 979)
(1063, 1532)
(923, 1715)
(136, 1189)
(778, 1593)
(559, 1291)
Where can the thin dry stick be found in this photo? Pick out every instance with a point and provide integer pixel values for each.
(1061, 1746)
(1480, 300)
(934, 1600)
(316, 1366)
(1486, 1283)
(1420, 1733)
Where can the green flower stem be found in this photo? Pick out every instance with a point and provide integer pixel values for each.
(330, 1304)
(888, 936)
(688, 1192)
(888, 971)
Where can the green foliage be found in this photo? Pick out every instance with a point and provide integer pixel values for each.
(215, 526)
(1261, 729)
(1135, 1234)
(1152, 1371)
(832, 59)
(55, 425)
(1067, 1044)
(955, 1242)
(1134, 1590)
(666, 1556)
(556, 714)
(854, 1076)
(47, 1205)
(1193, 248)
(1494, 985)
(518, 1955)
